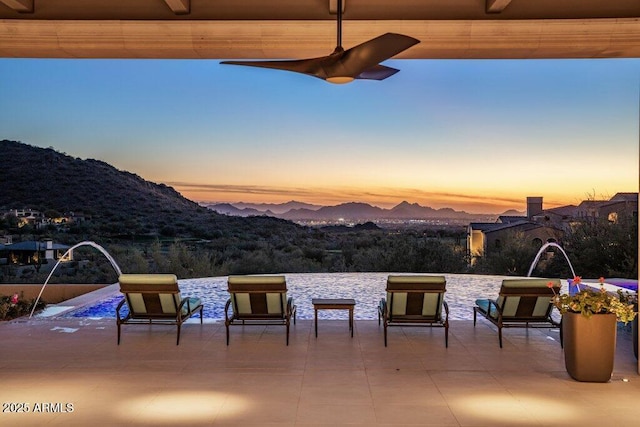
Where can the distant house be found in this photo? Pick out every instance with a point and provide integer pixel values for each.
(619, 204)
(559, 217)
(546, 225)
(483, 237)
(39, 220)
(32, 252)
(26, 216)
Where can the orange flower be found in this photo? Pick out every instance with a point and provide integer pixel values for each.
(550, 285)
(577, 280)
(601, 280)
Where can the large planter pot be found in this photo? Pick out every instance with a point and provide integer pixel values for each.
(589, 346)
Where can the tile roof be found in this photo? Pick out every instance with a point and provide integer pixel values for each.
(33, 246)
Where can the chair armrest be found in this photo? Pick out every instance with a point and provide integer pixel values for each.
(382, 308)
(226, 310)
(119, 307)
(446, 310)
(182, 303)
(498, 310)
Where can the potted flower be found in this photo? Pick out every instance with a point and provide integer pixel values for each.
(632, 299)
(588, 333)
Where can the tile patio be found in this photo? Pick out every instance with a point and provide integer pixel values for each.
(330, 380)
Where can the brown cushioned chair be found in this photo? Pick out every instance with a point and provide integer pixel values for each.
(521, 303)
(415, 301)
(258, 300)
(154, 298)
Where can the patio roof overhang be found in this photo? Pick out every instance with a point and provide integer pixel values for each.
(456, 29)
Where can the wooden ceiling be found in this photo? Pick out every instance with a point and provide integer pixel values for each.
(306, 28)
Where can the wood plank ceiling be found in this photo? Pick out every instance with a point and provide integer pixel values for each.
(306, 28)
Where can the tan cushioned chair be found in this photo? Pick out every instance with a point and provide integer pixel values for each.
(415, 301)
(521, 303)
(258, 300)
(154, 298)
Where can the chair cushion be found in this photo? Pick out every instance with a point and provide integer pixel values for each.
(148, 282)
(267, 303)
(414, 282)
(414, 303)
(256, 283)
(529, 286)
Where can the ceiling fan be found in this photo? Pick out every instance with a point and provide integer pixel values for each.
(343, 66)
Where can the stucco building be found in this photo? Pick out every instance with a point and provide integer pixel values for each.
(541, 225)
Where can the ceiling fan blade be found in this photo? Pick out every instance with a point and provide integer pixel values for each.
(322, 67)
(359, 62)
(305, 66)
(372, 52)
(377, 72)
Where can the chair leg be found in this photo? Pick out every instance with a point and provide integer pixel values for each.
(446, 335)
(500, 335)
(385, 334)
(178, 340)
(227, 326)
(475, 313)
(287, 333)
(118, 333)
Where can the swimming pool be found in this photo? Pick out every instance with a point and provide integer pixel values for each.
(366, 288)
(628, 284)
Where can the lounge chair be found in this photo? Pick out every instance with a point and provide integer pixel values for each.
(522, 303)
(258, 300)
(154, 298)
(415, 301)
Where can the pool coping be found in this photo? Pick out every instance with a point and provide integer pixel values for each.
(65, 307)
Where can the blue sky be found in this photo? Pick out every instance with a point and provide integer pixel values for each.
(478, 135)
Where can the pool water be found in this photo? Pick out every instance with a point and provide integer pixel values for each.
(366, 288)
(628, 284)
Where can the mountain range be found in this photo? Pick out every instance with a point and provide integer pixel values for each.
(44, 179)
(116, 202)
(352, 211)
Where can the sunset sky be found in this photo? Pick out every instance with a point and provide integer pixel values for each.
(474, 135)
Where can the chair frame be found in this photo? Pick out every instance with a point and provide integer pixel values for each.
(282, 318)
(389, 319)
(501, 321)
(158, 318)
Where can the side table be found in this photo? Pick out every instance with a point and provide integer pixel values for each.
(333, 304)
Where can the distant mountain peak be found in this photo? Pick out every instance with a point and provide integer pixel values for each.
(275, 208)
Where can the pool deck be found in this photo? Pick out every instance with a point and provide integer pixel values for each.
(329, 380)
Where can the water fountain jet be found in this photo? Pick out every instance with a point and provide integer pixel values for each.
(541, 251)
(85, 243)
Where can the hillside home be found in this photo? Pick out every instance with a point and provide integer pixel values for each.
(32, 253)
(619, 204)
(26, 216)
(560, 217)
(39, 220)
(542, 226)
(484, 237)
